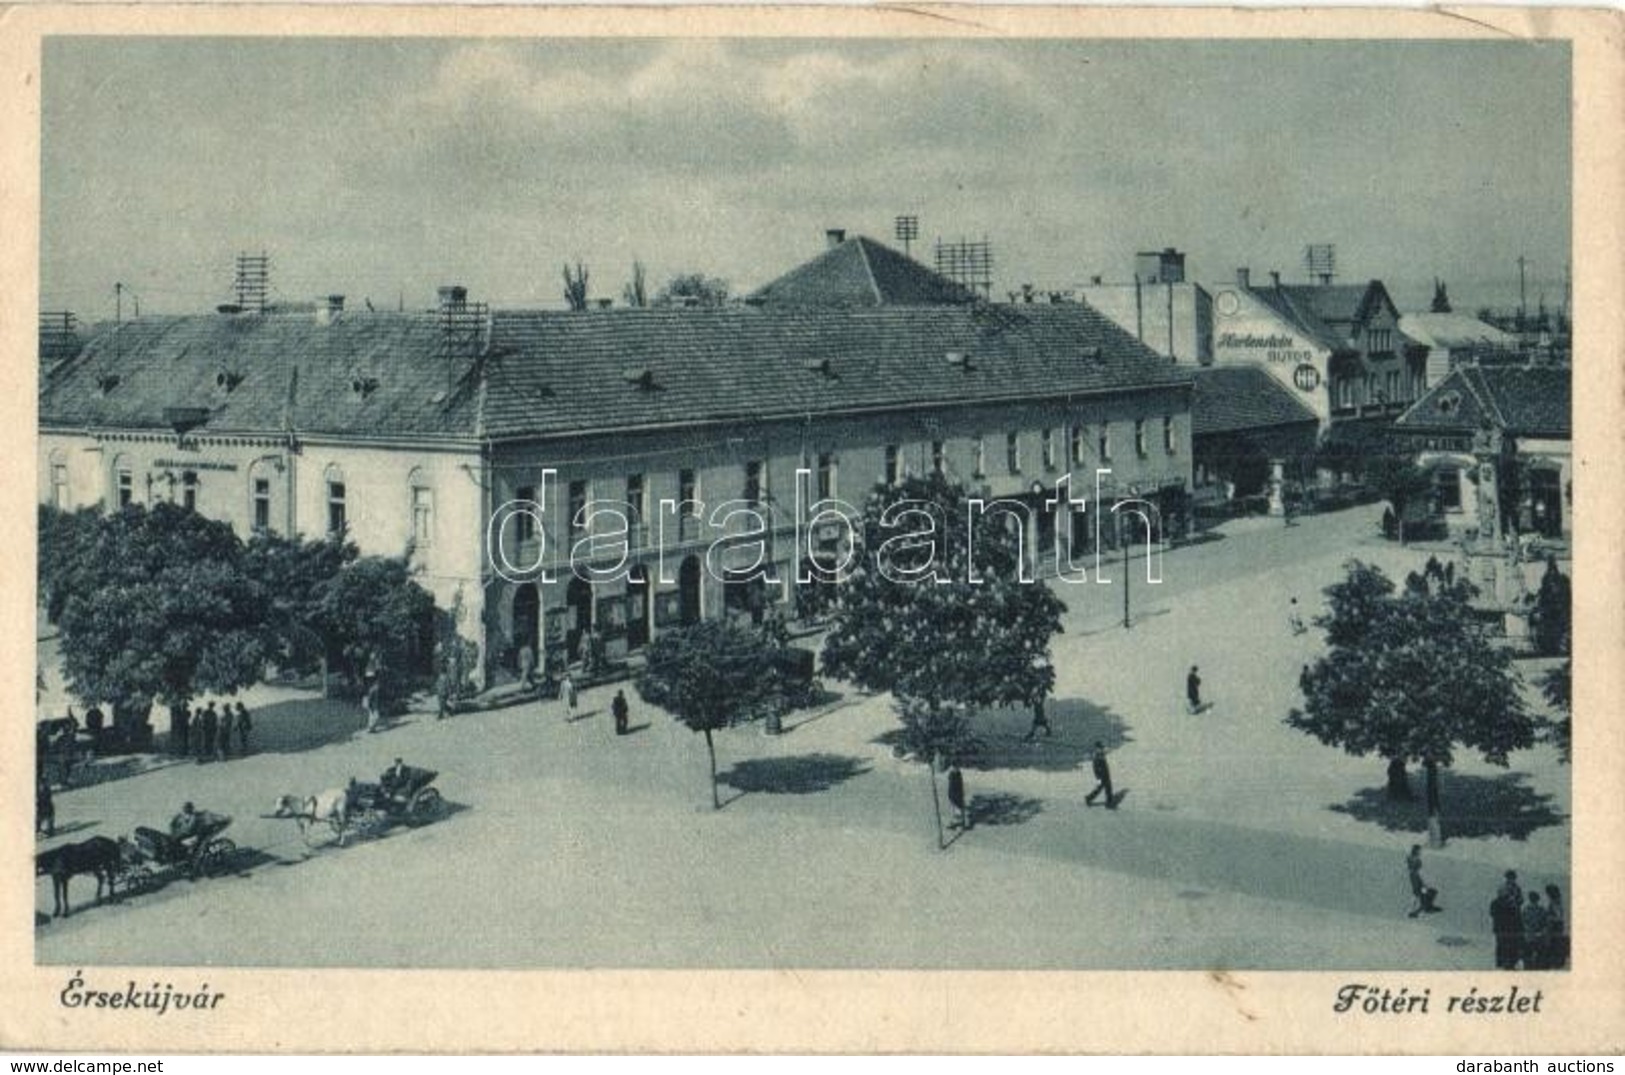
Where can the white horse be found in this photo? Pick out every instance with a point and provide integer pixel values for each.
(331, 806)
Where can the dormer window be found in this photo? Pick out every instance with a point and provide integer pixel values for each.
(364, 386)
(641, 377)
(226, 380)
(107, 382)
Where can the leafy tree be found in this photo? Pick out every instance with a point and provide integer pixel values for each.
(1418, 680)
(710, 676)
(375, 620)
(1441, 298)
(575, 286)
(908, 618)
(66, 540)
(1558, 687)
(293, 572)
(161, 608)
(1400, 482)
(693, 289)
(1551, 619)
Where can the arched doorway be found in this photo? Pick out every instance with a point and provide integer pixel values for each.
(637, 609)
(688, 590)
(578, 598)
(527, 607)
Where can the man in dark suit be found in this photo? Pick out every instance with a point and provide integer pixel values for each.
(211, 730)
(1103, 774)
(621, 712)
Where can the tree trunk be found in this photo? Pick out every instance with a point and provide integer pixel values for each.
(1399, 784)
(710, 748)
(1435, 828)
(936, 804)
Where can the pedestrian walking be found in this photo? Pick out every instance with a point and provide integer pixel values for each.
(180, 730)
(620, 711)
(442, 694)
(369, 703)
(1535, 923)
(1193, 690)
(1294, 617)
(1103, 777)
(222, 739)
(244, 726)
(1507, 925)
(211, 731)
(1511, 890)
(1557, 930)
(1423, 894)
(567, 691)
(44, 808)
(1040, 720)
(956, 798)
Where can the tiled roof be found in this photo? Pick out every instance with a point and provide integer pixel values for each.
(1519, 400)
(363, 374)
(1228, 399)
(861, 272)
(587, 371)
(559, 372)
(1327, 313)
(1453, 331)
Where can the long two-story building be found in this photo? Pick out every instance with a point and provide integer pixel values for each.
(624, 470)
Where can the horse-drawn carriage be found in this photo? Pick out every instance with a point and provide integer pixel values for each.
(151, 855)
(402, 795)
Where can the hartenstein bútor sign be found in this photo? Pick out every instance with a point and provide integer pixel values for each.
(1276, 346)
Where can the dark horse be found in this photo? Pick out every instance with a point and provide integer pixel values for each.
(97, 855)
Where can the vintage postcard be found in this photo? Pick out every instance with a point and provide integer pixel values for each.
(907, 530)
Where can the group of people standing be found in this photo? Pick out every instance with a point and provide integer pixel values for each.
(206, 735)
(1529, 931)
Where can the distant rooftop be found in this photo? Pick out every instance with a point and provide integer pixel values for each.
(862, 272)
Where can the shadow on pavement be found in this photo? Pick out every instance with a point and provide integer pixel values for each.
(298, 725)
(799, 774)
(1003, 808)
(1001, 733)
(1472, 806)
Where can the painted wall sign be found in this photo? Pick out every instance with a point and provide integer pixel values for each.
(1272, 346)
(194, 464)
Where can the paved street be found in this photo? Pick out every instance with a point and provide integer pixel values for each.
(1239, 842)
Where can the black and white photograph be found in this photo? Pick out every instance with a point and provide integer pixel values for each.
(527, 502)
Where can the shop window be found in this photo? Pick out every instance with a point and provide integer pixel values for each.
(1447, 486)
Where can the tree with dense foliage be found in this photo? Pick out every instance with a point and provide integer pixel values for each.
(376, 621)
(161, 607)
(1401, 482)
(712, 675)
(293, 573)
(1416, 678)
(1551, 619)
(1558, 687)
(936, 610)
(693, 289)
(66, 540)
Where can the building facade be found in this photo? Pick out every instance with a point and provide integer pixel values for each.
(1164, 311)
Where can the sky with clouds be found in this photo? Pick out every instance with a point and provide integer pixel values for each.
(381, 168)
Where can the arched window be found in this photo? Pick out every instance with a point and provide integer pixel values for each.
(123, 494)
(189, 486)
(59, 479)
(260, 488)
(337, 507)
(422, 504)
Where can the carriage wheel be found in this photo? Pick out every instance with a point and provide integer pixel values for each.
(426, 806)
(370, 823)
(139, 879)
(217, 856)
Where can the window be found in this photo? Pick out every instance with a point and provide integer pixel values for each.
(939, 461)
(1080, 437)
(893, 469)
(422, 515)
(826, 476)
(335, 506)
(262, 501)
(981, 455)
(1168, 443)
(1345, 391)
(1393, 385)
(189, 490)
(1379, 339)
(524, 522)
(688, 496)
(1139, 436)
(577, 506)
(1447, 484)
(126, 488)
(753, 482)
(1105, 442)
(1046, 440)
(636, 502)
(1012, 452)
(59, 485)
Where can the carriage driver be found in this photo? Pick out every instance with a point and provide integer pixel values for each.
(394, 778)
(189, 825)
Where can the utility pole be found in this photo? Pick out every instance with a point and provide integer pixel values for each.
(1523, 302)
(118, 303)
(1126, 573)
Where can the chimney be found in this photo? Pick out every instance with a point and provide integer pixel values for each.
(329, 309)
(1094, 281)
(836, 236)
(1244, 277)
(1275, 279)
(453, 298)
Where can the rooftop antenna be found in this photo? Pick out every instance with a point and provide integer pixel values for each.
(1523, 297)
(253, 283)
(907, 230)
(1320, 259)
(969, 264)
